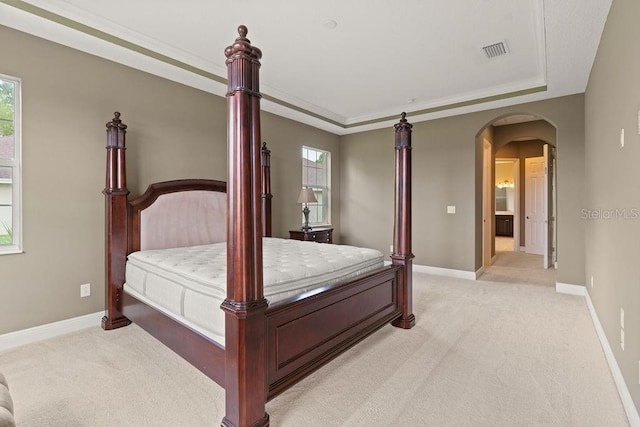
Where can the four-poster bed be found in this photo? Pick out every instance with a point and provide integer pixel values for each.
(267, 346)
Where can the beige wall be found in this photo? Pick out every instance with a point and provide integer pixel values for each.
(612, 176)
(174, 132)
(447, 157)
(285, 139)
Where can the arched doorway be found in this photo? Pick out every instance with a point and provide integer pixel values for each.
(527, 143)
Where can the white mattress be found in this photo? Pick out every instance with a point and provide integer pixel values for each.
(189, 284)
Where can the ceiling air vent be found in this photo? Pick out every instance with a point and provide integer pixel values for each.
(494, 50)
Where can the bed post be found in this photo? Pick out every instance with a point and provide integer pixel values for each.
(245, 351)
(115, 194)
(402, 222)
(266, 190)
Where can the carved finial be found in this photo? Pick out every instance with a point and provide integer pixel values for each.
(116, 122)
(265, 150)
(403, 124)
(242, 45)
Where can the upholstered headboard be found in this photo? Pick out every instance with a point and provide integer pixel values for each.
(179, 213)
(188, 218)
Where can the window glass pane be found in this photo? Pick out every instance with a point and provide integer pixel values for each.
(309, 177)
(313, 215)
(315, 175)
(6, 206)
(7, 110)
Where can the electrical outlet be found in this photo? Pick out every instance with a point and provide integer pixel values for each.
(451, 209)
(622, 339)
(622, 138)
(85, 290)
(591, 282)
(622, 317)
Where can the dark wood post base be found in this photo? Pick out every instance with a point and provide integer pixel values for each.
(245, 357)
(118, 322)
(405, 322)
(264, 422)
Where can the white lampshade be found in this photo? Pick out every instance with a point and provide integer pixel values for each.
(307, 196)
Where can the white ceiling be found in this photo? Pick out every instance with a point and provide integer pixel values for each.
(420, 56)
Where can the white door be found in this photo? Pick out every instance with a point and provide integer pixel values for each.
(535, 205)
(487, 205)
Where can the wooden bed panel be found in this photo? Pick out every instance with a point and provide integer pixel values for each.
(304, 335)
(204, 354)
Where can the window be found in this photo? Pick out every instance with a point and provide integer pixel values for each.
(10, 196)
(316, 174)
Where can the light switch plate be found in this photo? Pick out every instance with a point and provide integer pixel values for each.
(85, 290)
(451, 209)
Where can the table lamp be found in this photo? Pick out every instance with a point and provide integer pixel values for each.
(306, 196)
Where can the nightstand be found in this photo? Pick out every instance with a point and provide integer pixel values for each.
(319, 235)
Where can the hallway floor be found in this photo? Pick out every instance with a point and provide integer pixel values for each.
(518, 267)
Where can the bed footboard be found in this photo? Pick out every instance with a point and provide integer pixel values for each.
(304, 335)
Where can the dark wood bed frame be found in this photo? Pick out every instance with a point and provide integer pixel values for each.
(268, 347)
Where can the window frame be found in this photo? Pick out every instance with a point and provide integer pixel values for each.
(326, 188)
(16, 165)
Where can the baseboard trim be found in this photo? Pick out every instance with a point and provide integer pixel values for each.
(566, 288)
(479, 272)
(50, 330)
(623, 390)
(448, 272)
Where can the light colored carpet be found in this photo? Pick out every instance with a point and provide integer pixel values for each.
(519, 268)
(482, 354)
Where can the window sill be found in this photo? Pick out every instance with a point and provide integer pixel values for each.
(11, 251)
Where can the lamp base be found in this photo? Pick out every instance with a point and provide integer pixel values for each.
(305, 211)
